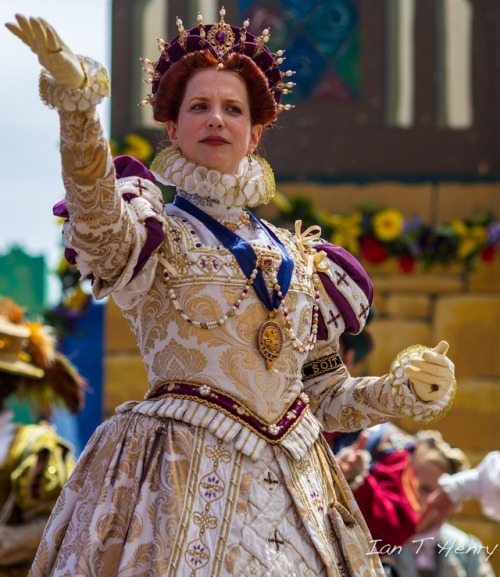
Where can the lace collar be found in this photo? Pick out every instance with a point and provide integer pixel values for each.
(252, 185)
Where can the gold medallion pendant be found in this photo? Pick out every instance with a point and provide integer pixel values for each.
(270, 342)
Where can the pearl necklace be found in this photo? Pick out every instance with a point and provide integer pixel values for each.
(313, 335)
(211, 325)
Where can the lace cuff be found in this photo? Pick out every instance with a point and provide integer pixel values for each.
(406, 400)
(95, 88)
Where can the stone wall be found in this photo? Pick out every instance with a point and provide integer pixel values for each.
(452, 303)
(463, 308)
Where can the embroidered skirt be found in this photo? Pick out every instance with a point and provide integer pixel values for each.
(160, 497)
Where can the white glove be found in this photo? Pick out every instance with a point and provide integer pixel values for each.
(52, 53)
(432, 374)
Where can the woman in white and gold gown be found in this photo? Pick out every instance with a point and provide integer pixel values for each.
(221, 469)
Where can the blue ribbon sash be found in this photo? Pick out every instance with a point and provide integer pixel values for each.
(244, 253)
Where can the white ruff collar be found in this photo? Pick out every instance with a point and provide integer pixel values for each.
(252, 185)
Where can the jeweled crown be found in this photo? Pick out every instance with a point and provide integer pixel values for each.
(221, 39)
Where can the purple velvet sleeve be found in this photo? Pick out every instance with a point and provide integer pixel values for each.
(61, 211)
(125, 166)
(130, 166)
(358, 274)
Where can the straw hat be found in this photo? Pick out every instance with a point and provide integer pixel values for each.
(28, 351)
(13, 356)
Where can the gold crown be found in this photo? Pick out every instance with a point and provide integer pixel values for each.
(221, 39)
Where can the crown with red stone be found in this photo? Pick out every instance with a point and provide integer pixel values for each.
(221, 39)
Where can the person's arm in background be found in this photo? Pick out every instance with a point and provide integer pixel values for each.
(384, 491)
(481, 483)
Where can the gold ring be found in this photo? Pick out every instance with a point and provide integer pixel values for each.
(55, 51)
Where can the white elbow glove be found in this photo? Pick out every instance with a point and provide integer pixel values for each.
(52, 53)
(431, 373)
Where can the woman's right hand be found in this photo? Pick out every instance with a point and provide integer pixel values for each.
(53, 54)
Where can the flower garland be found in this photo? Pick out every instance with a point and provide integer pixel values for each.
(376, 234)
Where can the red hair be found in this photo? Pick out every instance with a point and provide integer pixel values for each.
(172, 87)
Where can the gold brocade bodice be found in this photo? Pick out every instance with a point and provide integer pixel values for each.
(207, 282)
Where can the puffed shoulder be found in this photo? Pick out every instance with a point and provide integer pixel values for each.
(126, 167)
(351, 265)
(143, 199)
(348, 286)
(129, 166)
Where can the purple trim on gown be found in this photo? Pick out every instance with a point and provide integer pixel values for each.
(130, 166)
(231, 406)
(125, 166)
(61, 211)
(354, 269)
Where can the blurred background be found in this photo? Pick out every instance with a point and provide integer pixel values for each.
(393, 148)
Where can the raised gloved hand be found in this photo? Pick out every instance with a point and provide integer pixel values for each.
(432, 374)
(52, 53)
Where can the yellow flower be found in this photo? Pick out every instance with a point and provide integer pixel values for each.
(76, 298)
(388, 224)
(472, 241)
(63, 266)
(138, 147)
(346, 230)
(459, 228)
(113, 146)
(281, 202)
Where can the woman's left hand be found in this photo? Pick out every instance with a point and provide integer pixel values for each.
(432, 374)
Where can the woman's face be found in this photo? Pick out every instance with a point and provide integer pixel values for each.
(214, 128)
